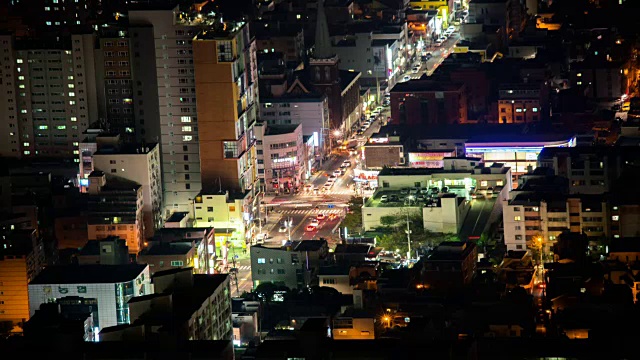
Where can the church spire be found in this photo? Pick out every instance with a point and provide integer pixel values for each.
(323, 48)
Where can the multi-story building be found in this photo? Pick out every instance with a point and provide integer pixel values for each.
(21, 259)
(104, 290)
(50, 94)
(603, 80)
(590, 170)
(295, 265)
(140, 164)
(381, 151)
(522, 103)
(439, 195)
(281, 154)
(168, 255)
(287, 40)
(229, 211)
(195, 307)
(451, 265)
(115, 208)
(531, 217)
(203, 240)
(165, 77)
(115, 79)
(224, 64)
(108, 251)
(428, 103)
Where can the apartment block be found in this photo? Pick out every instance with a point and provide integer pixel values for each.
(50, 94)
(428, 103)
(227, 96)
(281, 154)
(530, 216)
(163, 68)
(522, 103)
(229, 213)
(139, 163)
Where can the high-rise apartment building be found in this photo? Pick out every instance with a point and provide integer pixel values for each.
(165, 83)
(115, 87)
(50, 96)
(226, 88)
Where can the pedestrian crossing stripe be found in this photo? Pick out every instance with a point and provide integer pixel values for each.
(244, 268)
(313, 211)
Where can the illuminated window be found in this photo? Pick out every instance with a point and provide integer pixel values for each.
(27, 152)
(72, 94)
(72, 102)
(25, 144)
(43, 127)
(499, 183)
(579, 83)
(535, 109)
(483, 183)
(615, 218)
(185, 119)
(70, 86)
(517, 218)
(186, 128)
(76, 152)
(298, 16)
(20, 77)
(19, 61)
(61, 127)
(579, 74)
(262, 261)
(518, 110)
(73, 118)
(187, 138)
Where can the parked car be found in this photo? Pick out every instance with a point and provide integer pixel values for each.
(384, 198)
(406, 78)
(282, 229)
(336, 173)
(415, 70)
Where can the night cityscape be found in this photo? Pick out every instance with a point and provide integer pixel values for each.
(320, 179)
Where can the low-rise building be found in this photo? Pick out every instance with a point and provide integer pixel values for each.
(602, 80)
(229, 211)
(167, 255)
(451, 265)
(523, 103)
(105, 289)
(441, 197)
(354, 324)
(115, 208)
(425, 102)
(189, 306)
(381, 151)
(108, 251)
(294, 265)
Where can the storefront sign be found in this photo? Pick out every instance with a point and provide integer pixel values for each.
(431, 160)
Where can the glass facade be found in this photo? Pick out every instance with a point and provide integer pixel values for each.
(124, 292)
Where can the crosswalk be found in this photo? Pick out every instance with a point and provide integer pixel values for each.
(244, 268)
(337, 211)
(341, 191)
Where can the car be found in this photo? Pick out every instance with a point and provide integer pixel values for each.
(451, 29)
(384, 198)
(386, 103)
(314, 222)
(379, 108)
(310, 228)
(376, 112)
(260, 238)
(347, 163)
(404, 191)
(440, 40)
(321, 216)
(316, 189)
(332, 216)
(343, 166)
(332, 178)
(415, 70)
(336, 173)
(282, 229)
(406, 78)
(308, 187)
(417, 64)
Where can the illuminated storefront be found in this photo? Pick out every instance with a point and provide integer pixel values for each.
(432, 159)
(519, 156)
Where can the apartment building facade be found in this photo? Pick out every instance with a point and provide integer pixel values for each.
(281, 156)
(49, 93)
(522, 103)
(163, 38)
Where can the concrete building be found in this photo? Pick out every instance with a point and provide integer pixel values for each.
(281, 154)
(21, 260)
(104, 289)
(451, 265)
(530, 217)
(441, 211)
(288, 40)
(523, 103)
(115, 208)
(162, 38)
(140, 164)
(231, 214)
(354, 324)
(590, 170)
(114, 77)
(295, 265)
(168, 255)
(423, 102)
(192, 307)
(381, 151)
(47, 104)
(603, 80)
(224, 60)
(108, 251)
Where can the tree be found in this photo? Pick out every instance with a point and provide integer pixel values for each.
(353, 219)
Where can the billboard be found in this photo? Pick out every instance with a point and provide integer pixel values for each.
(431, 160)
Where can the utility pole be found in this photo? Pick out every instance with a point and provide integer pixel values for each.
(289, 223)
(408, 238)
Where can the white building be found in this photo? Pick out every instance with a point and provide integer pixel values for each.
(441, 211)
(229, 213)
(281, 154)
(141, 164)
(105, 289)
(48, 96)
(309, 110)
(174, 79)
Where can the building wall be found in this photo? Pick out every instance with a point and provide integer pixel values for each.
(429, 108)
(144, 169)
(14, 293)
(276, 266)
(353, 329)
(175, 77)
(338, 282)
(281, 160)
(166, 262)
(601, 82)
(9, 119)
(376, 157)
(104, 293)
(226, 122)
(71, 231)
(218, 308)
(218, 212)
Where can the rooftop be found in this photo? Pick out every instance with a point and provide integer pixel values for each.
(167, 248)
(280, 129)
(126, 149)
(454, 250)
(425, 86)
(88, 274)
